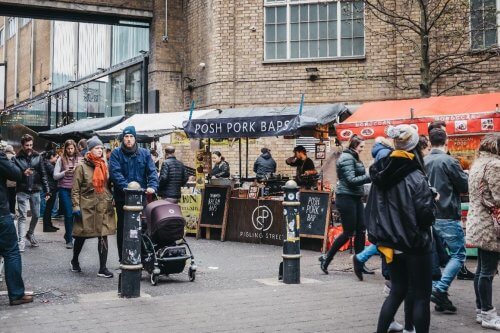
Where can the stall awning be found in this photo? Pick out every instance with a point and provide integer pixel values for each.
(83, 128)
(469, 114)
(263, 121)
(150, 126)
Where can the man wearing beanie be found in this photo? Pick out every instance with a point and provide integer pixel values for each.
(447, 176)
(129, 163)
(400, 208)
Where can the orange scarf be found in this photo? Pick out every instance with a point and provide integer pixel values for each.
(100, 172)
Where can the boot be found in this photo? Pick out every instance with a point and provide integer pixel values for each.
(490, 319)
(465, 274)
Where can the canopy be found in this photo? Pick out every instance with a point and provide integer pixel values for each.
(263, 121)
(469, 114)
(83, 128)
(150, 126)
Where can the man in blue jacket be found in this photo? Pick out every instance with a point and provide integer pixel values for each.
(129, 163)
(447, 177)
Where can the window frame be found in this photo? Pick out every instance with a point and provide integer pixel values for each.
(24, 21)
(484, 47)
(289, 59)
(2, 36)
(9, 34)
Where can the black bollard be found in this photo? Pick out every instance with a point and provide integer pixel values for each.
(129, 283)
(291, 245)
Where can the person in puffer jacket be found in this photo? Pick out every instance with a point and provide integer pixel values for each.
(172, 177)
(400, 212)
(265, 164)
(352, 176)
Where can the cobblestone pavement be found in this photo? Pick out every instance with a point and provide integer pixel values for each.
(235, 290)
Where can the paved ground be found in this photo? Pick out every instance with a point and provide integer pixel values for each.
(235, 290)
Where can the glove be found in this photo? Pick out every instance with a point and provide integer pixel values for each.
(77, 213)
(150, 190)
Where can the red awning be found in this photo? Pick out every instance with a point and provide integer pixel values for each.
(469, 114)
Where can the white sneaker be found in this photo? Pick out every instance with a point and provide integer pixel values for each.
(395, 327)
(479, 316)
(412, 331)
(490, 319)
(22, 245)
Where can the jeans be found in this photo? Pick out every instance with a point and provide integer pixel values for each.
(487, 265)
(67, 207)
(47, 214)
(411, 280)
(23, 200)
(9, 250)
(452, 234)
(367, 253)
(352, 217)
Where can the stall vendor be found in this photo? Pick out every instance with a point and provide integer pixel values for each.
(265, 165)
(220, 168)
(306, 171)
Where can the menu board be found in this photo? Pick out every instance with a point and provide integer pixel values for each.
(315, 209)
(214, 208)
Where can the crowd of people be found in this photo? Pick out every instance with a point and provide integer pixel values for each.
(413, 220)
(412, 215)
(90, 187)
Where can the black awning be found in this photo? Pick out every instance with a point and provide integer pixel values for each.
(263, 121)
(81, 129)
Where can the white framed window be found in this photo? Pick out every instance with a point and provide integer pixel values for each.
(313, 29)
(11, 27)
(24, 21)
(485, 23)
(2, 36)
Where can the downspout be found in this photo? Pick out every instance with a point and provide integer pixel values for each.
(51, 62)
(16, 54)
(32, 55)
(165, 36)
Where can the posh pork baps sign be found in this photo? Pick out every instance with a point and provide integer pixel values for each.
(241, 127)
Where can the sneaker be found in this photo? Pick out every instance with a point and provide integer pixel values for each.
(465, 274)
(490, 319)
(105, 273)
(406, 331)
(366, 270)
(395, 327)
(49, 229)
(479, 316)
(75, 266)
(21, 245)
(31, 238)
(69, 245)
(442, 302)
(23, 300)
(322, 265)
(358, 267)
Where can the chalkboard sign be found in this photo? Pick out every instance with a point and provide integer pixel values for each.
(315, 213)
(214, 208)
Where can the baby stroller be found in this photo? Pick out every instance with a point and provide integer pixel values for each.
(164, 249)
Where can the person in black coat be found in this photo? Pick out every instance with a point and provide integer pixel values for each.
(265, 164)
(400, 212)
(50, 159)
(173, 176)
(220, 167)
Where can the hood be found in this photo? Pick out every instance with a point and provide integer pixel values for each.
(266, 155)
(388, 172)
(378, 148)
(23, 154)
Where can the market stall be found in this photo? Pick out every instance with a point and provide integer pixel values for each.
(254, 212)
(468, 118)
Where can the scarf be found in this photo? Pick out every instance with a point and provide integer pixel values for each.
(129, 151)
(100, 172)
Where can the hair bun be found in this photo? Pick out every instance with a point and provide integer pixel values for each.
(392, 132)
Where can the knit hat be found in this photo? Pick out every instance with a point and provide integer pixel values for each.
(129, 130)
(93, 142)
(405, 136)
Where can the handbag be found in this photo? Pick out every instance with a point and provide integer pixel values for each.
(493, 210)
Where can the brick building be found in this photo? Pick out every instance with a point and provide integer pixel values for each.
(241, 53)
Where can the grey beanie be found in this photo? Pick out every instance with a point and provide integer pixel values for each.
(405, 137)
(92, 142)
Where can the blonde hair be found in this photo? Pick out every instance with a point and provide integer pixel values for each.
(384, 141)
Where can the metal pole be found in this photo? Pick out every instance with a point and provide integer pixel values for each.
(239, 150)
(246, 167)
(291, 246)
(129, 282)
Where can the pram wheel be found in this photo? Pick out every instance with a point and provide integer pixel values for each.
(154, 279)
(192, 274)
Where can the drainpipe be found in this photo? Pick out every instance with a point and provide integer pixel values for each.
(16, 54)
(32, 55)
(165, 36)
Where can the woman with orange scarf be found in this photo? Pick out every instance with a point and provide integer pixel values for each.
(92, 206)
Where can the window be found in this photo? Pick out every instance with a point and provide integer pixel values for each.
(24, 21)
(2, 36)
(484, 29)
(11, 27)
(308, 29)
